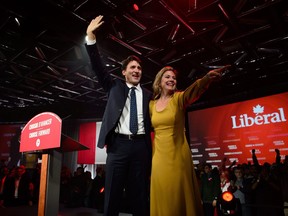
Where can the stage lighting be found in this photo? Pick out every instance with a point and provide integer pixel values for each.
(101, 190)
(227, 204)
(135, 7)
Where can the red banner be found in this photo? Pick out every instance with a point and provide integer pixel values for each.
(233, 130)
(88, 136)
(42, 132)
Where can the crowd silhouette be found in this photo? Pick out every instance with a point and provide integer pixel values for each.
(261, 189)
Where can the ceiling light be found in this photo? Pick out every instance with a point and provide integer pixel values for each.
(17, 21)
(135, 7)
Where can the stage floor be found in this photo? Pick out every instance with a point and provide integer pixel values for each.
(63, 211)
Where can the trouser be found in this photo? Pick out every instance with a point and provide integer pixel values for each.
(127, 167)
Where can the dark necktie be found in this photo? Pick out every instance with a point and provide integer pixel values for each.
(133, 112)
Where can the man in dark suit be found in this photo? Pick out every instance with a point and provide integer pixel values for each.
(128, 153)
(18, 188)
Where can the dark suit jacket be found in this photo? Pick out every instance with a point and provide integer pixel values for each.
(24, 194)
(117, 95)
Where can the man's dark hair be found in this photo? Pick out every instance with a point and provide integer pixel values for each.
(126, 61)
(208, 164)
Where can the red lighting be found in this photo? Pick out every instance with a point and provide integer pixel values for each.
(102, 190)
(135, 6)
(227, 196)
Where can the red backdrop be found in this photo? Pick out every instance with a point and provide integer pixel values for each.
(233, 130)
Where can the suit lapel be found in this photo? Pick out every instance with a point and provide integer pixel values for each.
(126, 91)
(145, 101)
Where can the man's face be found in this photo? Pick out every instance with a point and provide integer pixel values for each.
(207, 169)
(133, 73)
(238, 173)
(20, 171)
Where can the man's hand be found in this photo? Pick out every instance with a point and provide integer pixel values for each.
(94, 24)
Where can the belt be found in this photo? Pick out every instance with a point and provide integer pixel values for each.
(131, 136)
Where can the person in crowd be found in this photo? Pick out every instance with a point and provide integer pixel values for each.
(88, 182)
(128, 142)
(225, 174)
(250, 179)
(174, 186)
(268, 185)
(18, 188)
(78, 187)
(98, 190)
(36, 178)
(284, 183)
(3, 176)
(65, 180)
(237, 188)
(224, 180)
(210, 188)
(277, 157)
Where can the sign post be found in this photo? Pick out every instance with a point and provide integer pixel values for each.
(43, 134)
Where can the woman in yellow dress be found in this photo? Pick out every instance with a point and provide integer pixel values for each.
(174, 186)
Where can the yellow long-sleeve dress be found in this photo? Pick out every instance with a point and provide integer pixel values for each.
(174, 187)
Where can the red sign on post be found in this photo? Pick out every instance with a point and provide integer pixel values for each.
(42, 132)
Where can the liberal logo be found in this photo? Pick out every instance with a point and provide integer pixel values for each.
(259, 119)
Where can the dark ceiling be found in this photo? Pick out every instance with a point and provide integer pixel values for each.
(44, 65)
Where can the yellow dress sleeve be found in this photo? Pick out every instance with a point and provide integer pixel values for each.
(193, 92)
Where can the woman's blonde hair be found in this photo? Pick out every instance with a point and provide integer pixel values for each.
(157, 81)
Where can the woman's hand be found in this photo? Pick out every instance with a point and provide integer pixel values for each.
(216, 74)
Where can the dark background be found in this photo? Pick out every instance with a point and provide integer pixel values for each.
(44, 66)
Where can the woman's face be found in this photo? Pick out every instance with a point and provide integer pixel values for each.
(168, 81)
